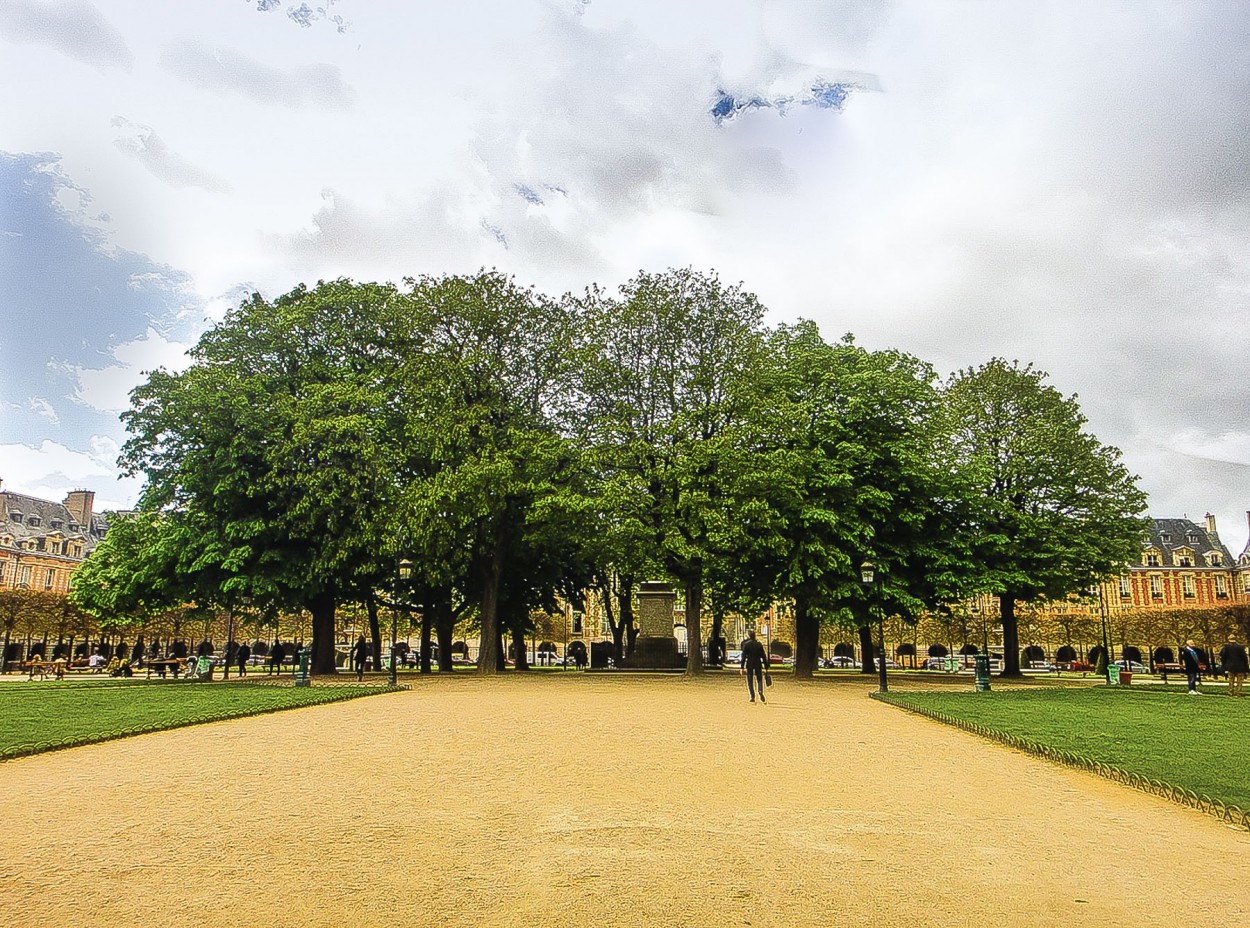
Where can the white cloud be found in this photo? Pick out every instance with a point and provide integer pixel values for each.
(73, 27)
(49, 470)
(108, 389)
(149, 149)
(43, 408)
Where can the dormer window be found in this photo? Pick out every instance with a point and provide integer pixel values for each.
(1191, 538)
(1151, 559)
(15, 516)
(33, 520)
(1214, 559)
(1165, 537)
(1184, 560)
(73, 526)
(57, 523)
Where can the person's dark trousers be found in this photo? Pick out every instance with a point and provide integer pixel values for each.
(1192, 677)
(755, 679)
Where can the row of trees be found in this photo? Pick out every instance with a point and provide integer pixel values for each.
(516, 448)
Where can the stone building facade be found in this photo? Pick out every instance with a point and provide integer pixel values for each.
(42, 542)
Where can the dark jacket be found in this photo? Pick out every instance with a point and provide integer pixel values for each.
(244, 654)
(1189, 657)
(753, 655)
(1233, 659)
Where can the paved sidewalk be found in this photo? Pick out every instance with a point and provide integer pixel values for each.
(596, 801)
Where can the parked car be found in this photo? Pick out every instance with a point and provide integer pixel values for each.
(835, 663)
(1131, 666)
(1038, 667)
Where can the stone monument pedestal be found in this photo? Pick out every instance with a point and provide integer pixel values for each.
(656, 646)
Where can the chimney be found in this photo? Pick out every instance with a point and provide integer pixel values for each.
(79, 503)
(1210, 519)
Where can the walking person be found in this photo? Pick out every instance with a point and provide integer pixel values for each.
(243, 655)
(277, 654)
(359, 652)
(1193, 665)
(754, 663)
(1236, 664)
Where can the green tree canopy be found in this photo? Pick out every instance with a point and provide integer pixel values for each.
(1052, 509)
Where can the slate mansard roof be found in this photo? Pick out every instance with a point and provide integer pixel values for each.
(49, 518)
(1170, 535)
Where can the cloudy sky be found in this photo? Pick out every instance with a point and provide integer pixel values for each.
(1059, 182)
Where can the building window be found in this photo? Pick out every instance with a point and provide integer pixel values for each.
(1165, 537)
(1187, 585)
(1184, 561)
(1221, 588)
(1191, 538)
(48, 578)
(577, 623)
(33, 520)
(57, 523)
(1126, 588)
(1156, 587)
(1152, 559)
(23, 578)
(1214, 559)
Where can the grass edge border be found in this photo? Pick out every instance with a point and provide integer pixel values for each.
(340, 694)
(1227, 813)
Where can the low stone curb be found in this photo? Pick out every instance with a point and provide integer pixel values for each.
(1226, 812)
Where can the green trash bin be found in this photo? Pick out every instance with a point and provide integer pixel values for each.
(1113, 672)
(302, 663)
(983, 673)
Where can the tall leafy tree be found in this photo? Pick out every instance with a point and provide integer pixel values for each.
(488, 465)
(1054, 510)
(273, 449)
(666, 366)
(839, 466)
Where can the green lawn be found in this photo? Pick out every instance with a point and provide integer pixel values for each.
(45, 716)
(1194, 742)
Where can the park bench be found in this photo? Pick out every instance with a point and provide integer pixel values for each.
(36, 668)
(170, 663)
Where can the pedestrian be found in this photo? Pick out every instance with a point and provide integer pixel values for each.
(1235, 663)
(754, 663)
(276, 656)
(243, 655)
(1193, 665)
(359, 653)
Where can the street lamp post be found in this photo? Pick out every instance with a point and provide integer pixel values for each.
(404, 570)
(867, 573)
(1106, 641)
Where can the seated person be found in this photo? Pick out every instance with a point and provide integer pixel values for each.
(96, 662)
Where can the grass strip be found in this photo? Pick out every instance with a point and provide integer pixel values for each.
(1182, 747)
(40, 718)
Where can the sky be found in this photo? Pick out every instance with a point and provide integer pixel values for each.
(1062, 183)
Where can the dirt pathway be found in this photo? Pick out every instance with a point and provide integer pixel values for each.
(595, 801)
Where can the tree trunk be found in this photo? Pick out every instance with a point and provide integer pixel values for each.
(1011, 635)
(806, 640)
(714, 656)
(322, 609)
(445, 625)
(427, 623)
(489, 655)
(625, 603)
(618, 629)
(501, 654)
(518, 645)
(694, 633)
(868, 649)
(225, 671)
(4, 655)
(375, 630)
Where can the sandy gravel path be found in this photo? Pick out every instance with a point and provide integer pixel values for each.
(595, 801)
